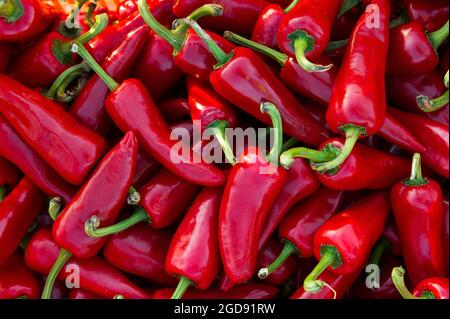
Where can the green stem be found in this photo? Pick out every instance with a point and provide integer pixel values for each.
(288, 249)
(58, 91)
(277, 124)
(54, 207)
(352, 133)
(378, 251)
(325, 155)
(302, 43)
(89, 59)
(281, 58)
(334, 45)
(11, 10)
(329, 257)
(289, 144)
(398, 278)
(89, 16)
(2, 193)
(217, 128)
(92, 224)
(62, 259)
(118, 297)
(210, 9)
(347, 5)
(438, 37)
(416, 178)
(427, 105)
(183, 285)
(291, 6)
(221, 57)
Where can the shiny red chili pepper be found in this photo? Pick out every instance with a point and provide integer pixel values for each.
(194, 250)
(433, 135)
(175, 110)
(432, 14)
(247, 291)
(71, 149)
(88, 107)
(305, 31)
(234, 10)
(17, 281)
(412, 50)
(17, 213)
(95, 274)
(298, 228)
(22, 20)
(141, 251)
(100, 198)
(9, 175)
(77, 293)
(14, 149)
(126, 8)
(344, 242)
(6, 51)
(417, 204)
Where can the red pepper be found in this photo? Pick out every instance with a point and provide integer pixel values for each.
(40, 64)
(390, 234)
(433, 135)
(95, 274)
(265, 30)
(298, 228)
(432, 14)
(77, 293)
(14, 149)
(361, 170)
(71, 149)
(9, 175)
(17, 281)
(247, 291)
(445, 235)
(141, 251)
(245, 80)
(344, 242)
(146, 167)
(193, 252)
(239, 15)
(88, 107)
(429, 288)
(6, 51)
(17, 213)
(305, 31)
(345, 22)
(175, 110)
(152, 131)
(419, 214)
(22, 20)
(126, 8)
(412, 50)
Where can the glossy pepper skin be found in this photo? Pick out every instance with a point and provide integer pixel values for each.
(194, 250)
(6, 51)
(165, 197)
(141, 251)
(433, 135)
(96, 275)
(418, 208)
(70, 148)
(103, 195)
(233, 10)
(88, 107)
(22, 20)
(432, 14)
(9, 175)
(14, 149)
(16, 280)
(437, 286)
(17, 213)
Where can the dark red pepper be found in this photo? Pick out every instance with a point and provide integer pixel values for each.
(417, 204)
(445, 235)
(6, 51)
(432, 14)
(9, 175)
(146, 167)
(345, 22)
(175, 110)
(390, 234)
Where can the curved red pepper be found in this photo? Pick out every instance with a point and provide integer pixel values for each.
(17, 213)
(14, 149)
(22, 20)
(88, 107)
(432, 14)
(305, 31)
(141, 251)
(193, 252)
(77, 293)
(95, 274)
(234, 10)
(71, 149)
(17, 281)
(9, 175)
(419, 213)
(6, 51)
(102, 196)
(175, 109)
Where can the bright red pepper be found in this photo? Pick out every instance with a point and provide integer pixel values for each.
(141, 251)
(17, 281)
(234, 10)
(417, 204)
(412, 50)
(102, 196)
(433, 135)
(88, 107)
(77, 293)
(344, 242)
(95, 274)
(6, 51)
(305, 31)
(14, 149)
(9, 175)
(175, 109)
(126, 8)
(70, 148)
(22, 20)
(17, 213)
(194, 250)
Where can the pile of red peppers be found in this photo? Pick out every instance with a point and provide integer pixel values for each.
(346, 198)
